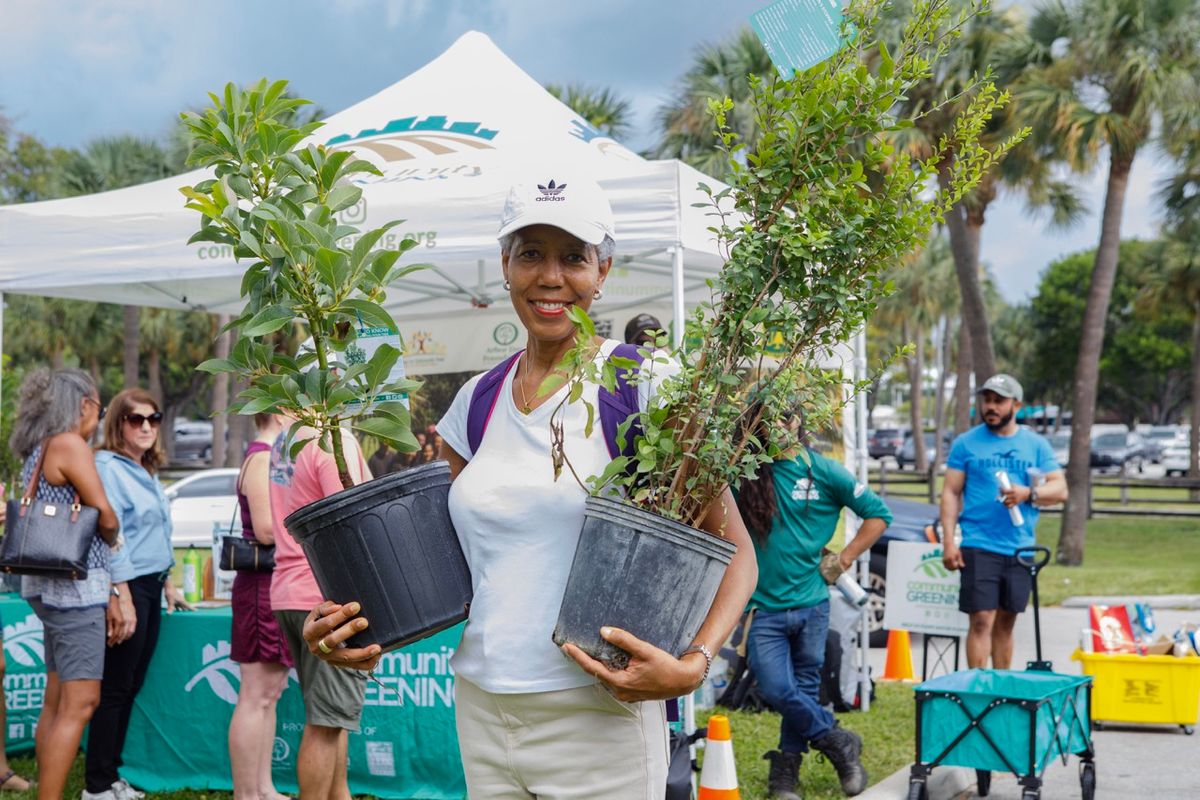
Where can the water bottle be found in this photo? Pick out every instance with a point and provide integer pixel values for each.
(855, 595)
(1014, 512)
(192, 566)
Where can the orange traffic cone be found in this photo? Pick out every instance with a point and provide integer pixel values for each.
(899, 665)
(718, 778)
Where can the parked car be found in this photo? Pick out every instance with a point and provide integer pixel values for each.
(1060, 443)
(1175, 458)
(200, 500)
(1118, 451)
(193, 440)
(1159, 438)
(907, 454)
(884, 442)
(912, 521)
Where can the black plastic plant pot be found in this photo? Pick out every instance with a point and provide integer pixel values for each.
(390, 545)
(641, 572)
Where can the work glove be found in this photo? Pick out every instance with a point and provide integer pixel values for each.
(830, 567)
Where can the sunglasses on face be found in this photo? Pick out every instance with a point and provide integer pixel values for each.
(138, 420)
(102, 409)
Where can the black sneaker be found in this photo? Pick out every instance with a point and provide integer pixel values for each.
(843, 748)
(782, 777)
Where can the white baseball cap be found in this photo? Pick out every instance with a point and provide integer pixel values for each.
(574, 204)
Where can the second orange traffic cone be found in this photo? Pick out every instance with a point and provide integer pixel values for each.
(718, 778)
(899, 665)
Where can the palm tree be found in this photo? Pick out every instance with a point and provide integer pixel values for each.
(1101, 74)
(1026, 168)
(603, 109)
(687, 130)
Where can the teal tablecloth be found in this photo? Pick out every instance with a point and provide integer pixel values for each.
(178, 735)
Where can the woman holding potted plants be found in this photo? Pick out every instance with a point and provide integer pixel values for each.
(519, 526)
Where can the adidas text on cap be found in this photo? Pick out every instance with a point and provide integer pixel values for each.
(1003, 385)
(576, 205)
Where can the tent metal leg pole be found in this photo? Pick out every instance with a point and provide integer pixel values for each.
(677, 291)
(864, 563)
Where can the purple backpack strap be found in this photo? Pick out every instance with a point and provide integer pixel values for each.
(617, 407)
(483, 400)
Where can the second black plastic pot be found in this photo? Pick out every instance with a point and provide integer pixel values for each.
(390, 545)
(640, 572)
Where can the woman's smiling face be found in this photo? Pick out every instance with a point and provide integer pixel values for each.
(549, 271)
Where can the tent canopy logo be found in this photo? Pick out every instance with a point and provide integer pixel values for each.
(410, 138)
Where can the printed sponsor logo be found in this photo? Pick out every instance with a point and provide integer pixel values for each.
(550, 192)
(412, 138)
(280, 751)
(505, 334)
(804, 490)
(217, 672)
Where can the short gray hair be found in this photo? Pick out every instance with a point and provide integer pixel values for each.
(50, 403)
(604, 251)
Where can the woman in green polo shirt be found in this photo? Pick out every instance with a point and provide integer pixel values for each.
(792, 509)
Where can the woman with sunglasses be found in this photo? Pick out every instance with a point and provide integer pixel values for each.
(128, 464)
(58, 411)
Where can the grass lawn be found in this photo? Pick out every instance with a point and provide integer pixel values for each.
(887, 731)
(25, 766)
(1125, 556)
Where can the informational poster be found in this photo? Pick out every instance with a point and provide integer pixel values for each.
(799, 33)
(922, 595)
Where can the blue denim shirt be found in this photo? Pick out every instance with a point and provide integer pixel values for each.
(138, 500)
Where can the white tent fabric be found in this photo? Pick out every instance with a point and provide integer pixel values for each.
(450, 138)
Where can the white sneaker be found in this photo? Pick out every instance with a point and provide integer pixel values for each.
(123, 791)
(106, 795)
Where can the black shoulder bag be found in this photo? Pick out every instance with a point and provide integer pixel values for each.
(242, 554)
(48, 539)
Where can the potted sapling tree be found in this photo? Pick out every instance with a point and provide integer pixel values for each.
(274, 198)
(817, 211)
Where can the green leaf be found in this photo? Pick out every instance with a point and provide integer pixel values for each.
(342, 197)
(380, 365)
(372, 314)
(215, 365)
(269, 320)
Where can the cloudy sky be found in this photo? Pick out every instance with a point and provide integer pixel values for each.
(73, 70)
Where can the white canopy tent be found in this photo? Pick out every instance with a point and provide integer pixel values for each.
(450, 138)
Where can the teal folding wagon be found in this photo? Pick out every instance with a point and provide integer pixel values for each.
(1003, 720)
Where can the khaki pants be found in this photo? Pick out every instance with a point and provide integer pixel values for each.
(574, 743)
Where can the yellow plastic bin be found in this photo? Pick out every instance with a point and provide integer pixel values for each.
(1155, 690)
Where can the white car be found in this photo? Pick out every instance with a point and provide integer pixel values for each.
(1060, 443)
(199, 501)
(1175, 458)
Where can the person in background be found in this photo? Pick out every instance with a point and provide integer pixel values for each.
(384, 460)
(256, 642)
(642, 330)
(792, 508)
(428, 453)
(995, 585)
(58, 411)
(128, 465)
(333, 698)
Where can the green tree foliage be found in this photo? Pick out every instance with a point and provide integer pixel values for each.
(1146, 363)
(274, 202)
(721, 71)
(29, 170)
(603, 109)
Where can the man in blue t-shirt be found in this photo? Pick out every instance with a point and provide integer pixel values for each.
(995, 586)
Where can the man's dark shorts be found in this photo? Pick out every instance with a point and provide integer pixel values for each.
(992, 581)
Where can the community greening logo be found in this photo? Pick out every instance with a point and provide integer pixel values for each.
(931, 565)
(221, 672)
(24, 643)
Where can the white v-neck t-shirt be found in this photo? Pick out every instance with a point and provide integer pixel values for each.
(518, 528)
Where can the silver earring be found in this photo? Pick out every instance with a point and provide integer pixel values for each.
(598, 294)
(507, 285)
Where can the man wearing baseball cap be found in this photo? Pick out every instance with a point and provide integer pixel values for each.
(995, 586)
